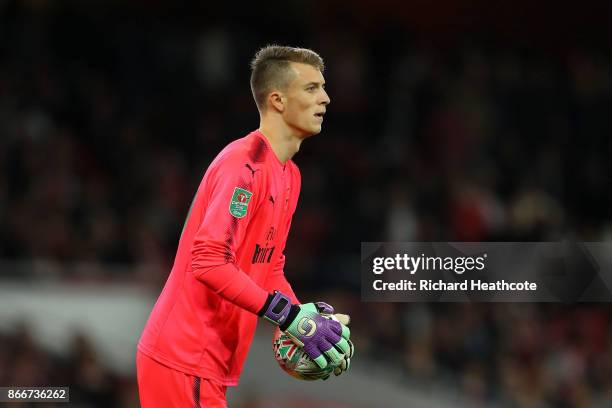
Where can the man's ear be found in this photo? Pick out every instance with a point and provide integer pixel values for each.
(277, 101)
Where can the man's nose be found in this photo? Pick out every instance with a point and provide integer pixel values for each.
(325, 100)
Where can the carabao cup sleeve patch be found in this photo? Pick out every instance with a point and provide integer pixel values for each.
(239, 203)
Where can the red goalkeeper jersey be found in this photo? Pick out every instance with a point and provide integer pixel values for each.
(229, 257)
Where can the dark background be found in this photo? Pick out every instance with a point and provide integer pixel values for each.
(449, 121)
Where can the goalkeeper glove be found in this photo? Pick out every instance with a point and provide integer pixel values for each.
(346, 362)
(319, 336)
(328, 311)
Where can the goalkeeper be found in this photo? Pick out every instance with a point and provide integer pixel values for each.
(229, 263)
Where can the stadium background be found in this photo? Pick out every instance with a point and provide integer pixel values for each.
(449, 122)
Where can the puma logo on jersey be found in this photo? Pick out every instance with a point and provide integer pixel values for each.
(248, 166)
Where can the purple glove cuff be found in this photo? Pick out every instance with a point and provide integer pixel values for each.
(278, 308)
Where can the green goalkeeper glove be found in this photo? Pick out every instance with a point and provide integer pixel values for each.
(320, 337)
(346, 362)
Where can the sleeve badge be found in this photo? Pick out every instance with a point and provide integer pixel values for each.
(240, 202)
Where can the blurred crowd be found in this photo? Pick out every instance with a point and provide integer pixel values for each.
(513, 355)
(108, 119)
(24, 363)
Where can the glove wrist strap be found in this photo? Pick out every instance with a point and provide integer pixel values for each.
(293, 312)
(276, 309)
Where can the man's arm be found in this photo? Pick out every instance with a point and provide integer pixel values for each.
(231, 187)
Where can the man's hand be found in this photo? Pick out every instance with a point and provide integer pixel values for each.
(346, 362)
(327, 310)
(317, 334)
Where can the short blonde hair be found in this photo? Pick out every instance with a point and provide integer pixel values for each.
(270, 69)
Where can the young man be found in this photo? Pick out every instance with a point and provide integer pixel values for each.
(229, 264)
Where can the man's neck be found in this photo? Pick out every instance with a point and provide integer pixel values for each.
(284, 143)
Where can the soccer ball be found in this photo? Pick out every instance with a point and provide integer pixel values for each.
(294, 361)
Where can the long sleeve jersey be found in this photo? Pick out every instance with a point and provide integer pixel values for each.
(229, 257)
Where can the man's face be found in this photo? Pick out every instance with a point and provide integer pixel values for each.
(305, 100)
